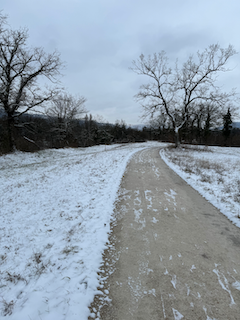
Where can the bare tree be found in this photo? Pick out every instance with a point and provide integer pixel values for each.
(21, 68)
(159, 122)
(3, 19)
(178, 91)
(64, 108)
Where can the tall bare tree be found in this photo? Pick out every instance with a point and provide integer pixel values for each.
(178, 90)
(64, 108)
(21, 70)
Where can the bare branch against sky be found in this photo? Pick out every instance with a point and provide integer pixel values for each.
(98, 40)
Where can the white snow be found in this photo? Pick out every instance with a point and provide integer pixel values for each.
(154, 220)
(214, 172)
(192, 268)
(177, 314)
(174, 281)
(55, 212)
(236, 285)
(164, 313)
(208, 318)
(224, 284)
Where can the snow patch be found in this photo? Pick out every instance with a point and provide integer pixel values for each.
(177, 315)
(174, 281)
(192, 268)
(224, 284)
(154, 220)
(236, 285)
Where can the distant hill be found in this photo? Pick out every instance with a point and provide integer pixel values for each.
(137, 126)
(235, 125)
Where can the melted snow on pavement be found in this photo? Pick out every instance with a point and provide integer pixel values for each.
(56, 208)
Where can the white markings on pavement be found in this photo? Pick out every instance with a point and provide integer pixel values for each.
(154, 220)
(137, 213)
(177, 314)
(174, 281)
(164, 314)
(224, 284)
(208, 318)
(148, 198)
(188, 289)
(236, 285)
(172, 194)
(193, 267)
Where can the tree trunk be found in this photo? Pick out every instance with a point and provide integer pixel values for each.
(10, 124)
(177, 140)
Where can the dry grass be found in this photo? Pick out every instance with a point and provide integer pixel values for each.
(206, 178)
(70, 249)
(7, 307)
(14, 278)
(207, 171)
(39, 266)
(37, 257)
(237, 194)
(196, 148)
(2, 258)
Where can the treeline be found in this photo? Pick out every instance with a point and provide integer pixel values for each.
(207, 126)
(193, 136)
(34, 132)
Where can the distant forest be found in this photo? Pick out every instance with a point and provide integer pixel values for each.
(36, 132)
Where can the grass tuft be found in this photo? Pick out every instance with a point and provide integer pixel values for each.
(7, 307)
(14, 278)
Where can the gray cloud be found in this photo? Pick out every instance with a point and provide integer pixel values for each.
(98, 40)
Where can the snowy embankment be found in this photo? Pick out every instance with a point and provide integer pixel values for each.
(55, 213)
(213, 171)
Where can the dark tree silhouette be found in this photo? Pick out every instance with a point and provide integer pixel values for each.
(227, 124)
(21, 68)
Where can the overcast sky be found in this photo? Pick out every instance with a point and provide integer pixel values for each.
(98, 39)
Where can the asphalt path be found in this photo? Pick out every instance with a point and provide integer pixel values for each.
(171, 255)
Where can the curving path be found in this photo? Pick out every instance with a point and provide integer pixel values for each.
(172, 255)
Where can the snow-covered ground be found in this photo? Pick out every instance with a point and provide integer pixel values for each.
(213, 171)
(55, 213)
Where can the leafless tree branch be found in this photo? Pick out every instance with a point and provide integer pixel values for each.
(21, 68)
(178, 91)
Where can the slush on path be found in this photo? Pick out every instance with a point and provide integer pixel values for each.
(172, 255)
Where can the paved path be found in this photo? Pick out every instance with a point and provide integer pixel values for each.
(172, 255)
